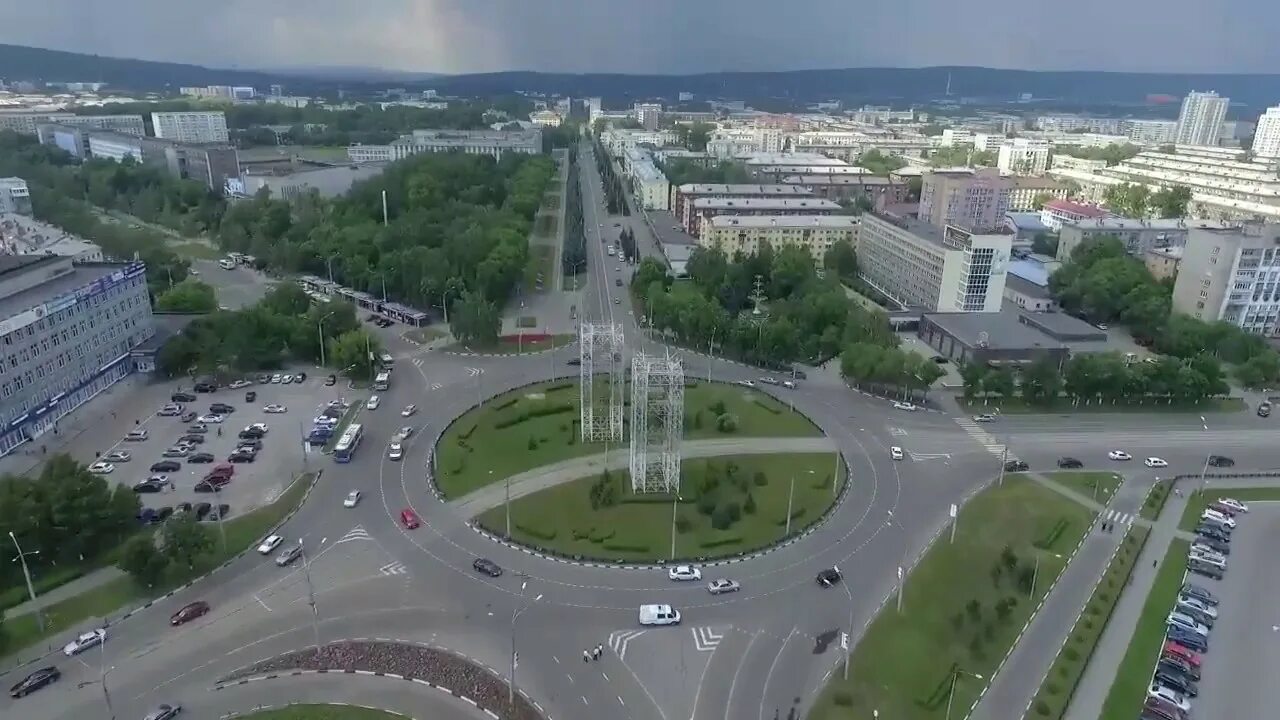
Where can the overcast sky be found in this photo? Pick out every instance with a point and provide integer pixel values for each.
(662, 36)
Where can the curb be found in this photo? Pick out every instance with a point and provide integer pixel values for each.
(285, 706)
(194, 581)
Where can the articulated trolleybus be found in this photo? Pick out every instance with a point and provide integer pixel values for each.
(346, 447)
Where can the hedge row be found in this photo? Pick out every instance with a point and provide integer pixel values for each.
(534, 413)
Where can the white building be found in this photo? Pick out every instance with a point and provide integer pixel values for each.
(815, 233)
(14, 196)
(471, 142)
(1150, 132)
(115, 147)
(1200, 121)
(1021, 156)
(191, 127)
(594, 106)
(647, 114)
(619, 141)
(545, 118)
(651, 188)
(727, 143)
(1266, 138)
(937, 269)
(1232, 275)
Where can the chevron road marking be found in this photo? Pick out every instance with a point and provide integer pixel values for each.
(919, 457)
(436, 386)
(619, 639)
(473, 371)
(706, 639)
(355, 533)
(897, 432)
(393, 568)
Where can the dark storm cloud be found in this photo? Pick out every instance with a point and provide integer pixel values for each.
(662, 36)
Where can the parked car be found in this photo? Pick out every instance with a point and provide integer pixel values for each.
(188, 416)
(164, 712)
(1187, 639)
(34, 681)
(210, 419)
(182, 397)
(118, 456)
(1176, 681)
(1221, 461)
(1016, 466)
(170, 411)
(200, 457)
(1169, 694)
(136, 435)
(102, 468)
(166, 466)
(1234, 504)
(1199, 593)
(146, 486)
(275, 409)
(221, 409)
(487, 566)
(1181, 652)
(1188, 623)
(331, 380)
(189, 612)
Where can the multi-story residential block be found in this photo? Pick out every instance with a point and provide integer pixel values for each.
(65, 335)
(546, 118)
(1061, 161)
(619, 141)
(777, 173)
(648, 114)
(746, 234)
(976, 199)
(1139, 236)
(594, 106)
(191, 127)
(1200, 120)
(71, 138)
(1022, 156)
(1078, 123)
(706, 208)
(683, 196)
(648, 183)
(667, 155)
(1056, 213)
(1266, 137)
(471, 142)
(1232, 274)
(210, 164)
(1027, 190)
(1163, 262)
(880, 191)
(14, 196)
(28, 123)
(1151, 132)
(922, 266)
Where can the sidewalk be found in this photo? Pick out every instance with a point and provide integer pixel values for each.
(548, 476)
(1091, 693)
(79, 586)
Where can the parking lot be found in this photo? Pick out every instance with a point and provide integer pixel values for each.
(254, 483)
(1244, 655)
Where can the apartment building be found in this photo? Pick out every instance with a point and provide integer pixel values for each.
(706, 208)
(922, 266)
(776, 173)
(683, 196)
(1139, 236)
(746, 234)
(1060, 161)
(880, 191)
(1023, 156)
(647, 114)
(546, 118)
(191, 127)
(968, 198)
(1150, 132)
(14, 196)
(27, 123)
(1026, 190)
(619, 141)
(65, 335)
(470, 142)
(1163, 262)
(210, 164)
(1201, 117)
(1056, 213)
(1266, 137)
(728, 143)
(594, 106)
(649, 185)
(1232, 274)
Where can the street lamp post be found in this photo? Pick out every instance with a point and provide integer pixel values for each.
(26, 574)
(675, 503)
(515, 615)
(311, 595)
(711, 352)
(955, 675)
(902, 566)
(507, 503)
(848, 645)
(1035, 573)
(791, 494)
(835, 477)
(320, 330)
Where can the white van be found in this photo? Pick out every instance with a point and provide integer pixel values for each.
(659, 615)
(227, 264)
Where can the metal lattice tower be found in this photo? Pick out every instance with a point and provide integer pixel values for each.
(657, 423)
(600, 349)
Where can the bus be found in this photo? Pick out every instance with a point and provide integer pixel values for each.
(387, 361)
(382, 381)
(346, 447)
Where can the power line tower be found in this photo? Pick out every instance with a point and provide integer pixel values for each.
(657, 423)
(600, 350)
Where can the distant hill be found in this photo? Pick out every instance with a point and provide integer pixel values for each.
(37, 64)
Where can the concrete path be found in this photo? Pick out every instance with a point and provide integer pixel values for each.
(531, 481)
(83, 584)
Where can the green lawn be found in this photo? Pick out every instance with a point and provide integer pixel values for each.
(23, 630)
(1060, 684)
(1197, 500)
(637, 528)
(957, 613)
(1130, 685)
(322, 712)
(541, 261)
(474, 452)
(1098, 486)
(1016, 405)
(196, 250)
(1157, 496)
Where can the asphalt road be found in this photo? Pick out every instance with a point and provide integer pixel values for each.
(746, 655)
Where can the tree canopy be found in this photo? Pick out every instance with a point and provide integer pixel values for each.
(680, 172)
(880, 163)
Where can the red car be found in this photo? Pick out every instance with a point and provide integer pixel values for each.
(1190, 656)
(409, 519)
(189, 613)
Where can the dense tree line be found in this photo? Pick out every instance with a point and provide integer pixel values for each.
(61, 196)
(573, 256)
(1113, 154)
(842, 260)
(627, 243)
(888, 367)
(1101, 283)
(1137, 201)
(284, 327)
(962, 155)
(802, 318)
(681, 172)
(1106, 378)
(693, 136)
(615, 191)
(188, 296)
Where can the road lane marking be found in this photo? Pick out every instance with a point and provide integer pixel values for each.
(728, 702)
(764, 692)
(584, 700)
(620, 701)
(264, 605)
(606, 676)
(698, 694)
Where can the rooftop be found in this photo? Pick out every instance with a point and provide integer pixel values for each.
(741, 189)
(80, 276)
(1029, 221)
(788, 221)
(1158, 224)
(1026, 287)
(1075, 208)
(925, 230)
(715, 203)
(1004, 330)
(838, 180)
(814, 170)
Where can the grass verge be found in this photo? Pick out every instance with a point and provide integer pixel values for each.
(1198, 499)
(23, 631)
(1157, 496)
(964, 605)
(538, 425)
(1054, 696)
(728, 505)
(322, 712)
(516, 344)
(1017, 405)
(539, 265)
(1124, 700)
(1100, 486)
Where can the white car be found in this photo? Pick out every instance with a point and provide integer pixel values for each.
(239, 384)
(1219, 518)
(286, 379)
(1234, 504)
(117, 456)
(895, 452)
(259, 426)
(159, 479)
(684, 572)
(210, 419)
(746, 383)
(408, 410)
(170, 411)
(985, 417)
(768, 380)
(723, 585)
(275, 409)
(904, 406)
(374, 402)
(1119, 455)
(275, 379)
(352, 499)
(1155, 462)
(788, 385)
(1186, 602)
(102, 468)
(324, 421)
(1204, 551)
(1186, 622)
(84, 641)
(395, 451)
(1169, 695)
(271, 543)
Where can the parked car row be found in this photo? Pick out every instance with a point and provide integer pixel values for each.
(325, 424)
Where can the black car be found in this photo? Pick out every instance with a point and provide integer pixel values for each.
(146, 486)
(252, 433)
(487, 566)
(828, 577)
(300, 377)
(202, 510)
(219, 513)
(166, 466)
(1221, 461)
(164, 712)
(205, 387)
(250, 396)
(182, 397)
(192, 439)
(201, 457)
(1177, 681)
(575, 361)
(1069, 462)
(35, 681)
(221, 409)
(1214, 532)
(204, 486)
(1221, 546)
(183, 507)
(1179, 669)
(253, 444)
(1016, 466)
(242, 457)
(331, 380)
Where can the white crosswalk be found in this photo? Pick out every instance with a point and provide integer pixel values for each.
(1115, 516)
(984, 438)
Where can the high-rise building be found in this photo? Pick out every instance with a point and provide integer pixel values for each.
(594, 106)
(1023, 156)
(1266, 138)
(974, 199)
(647, 114)
(191, 127)
(1200, 121)
(1232, 274)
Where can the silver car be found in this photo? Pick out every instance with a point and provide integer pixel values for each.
(723, 585)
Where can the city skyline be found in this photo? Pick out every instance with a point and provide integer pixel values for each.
(662, 37)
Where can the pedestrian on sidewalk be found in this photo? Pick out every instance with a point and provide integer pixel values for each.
(586, 655)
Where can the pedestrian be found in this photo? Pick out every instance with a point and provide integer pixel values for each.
(1154, 563)
(586, 655)
(599, 651)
